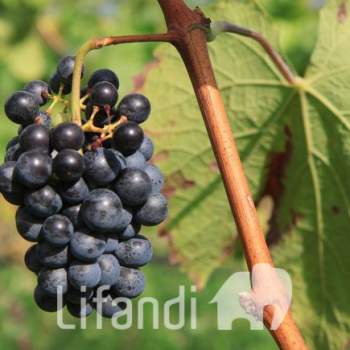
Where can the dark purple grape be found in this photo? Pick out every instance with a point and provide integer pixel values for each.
(86, 246)
(104, 94)
(73, 214)
(67, 135)
(136, 160)
(55, 85)
(78, 311)
(27, 225)
(68, 165)
(33, 169)
(157, 178)
(133, 187)
(39, 89)
(45, 301)
(110, 308)
(128, 138)
(31, 259)
(22, 108)
(84, 275)
(52, 281)
(101, 211)
(7, 181)
(135, 252)
(130, 284)
(103, 75)
(43, 202)
(135, 107)
(52, 257)
(73, 192)
(147, 148)
(57, 230)
(110, 269)
(153, 212)
(74, 295)
(65, 69)
(35, 137)
(102, 166)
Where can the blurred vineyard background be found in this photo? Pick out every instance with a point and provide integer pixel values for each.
(33, 35)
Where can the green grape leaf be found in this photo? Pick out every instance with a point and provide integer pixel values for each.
(294, 141)
(200, 228)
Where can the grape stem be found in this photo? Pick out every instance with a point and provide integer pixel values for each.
(188, 31)
(217, 28)
(98, 43)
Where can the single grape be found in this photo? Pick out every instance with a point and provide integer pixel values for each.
(7, 180)
(128, 138)
(110, 308)
(73, 214)
(74, 295)
(73, 193)
(57, 230)
(50, 280)
(135, 107)
(112, 243)
(110, 269)
(68, 165)
(67, 135)
(153, 212)
(55, 85)
(130, 231)
(147, 148)
(31, 259)
(45, 301)
(40, 89)
(135, 252)
(103, 75)
(104, 94)
(43, 202)
(52, 257)
(82, 274)
(78, 311)
(86, 246)
(133, 187)
(102, 166)
(22, 108)
(136, 160)
(157, 178)
(27, 225)
(101, 211)
(13, 153)
(33, 169)
(65, 69)
(35, 137)
(130, 284)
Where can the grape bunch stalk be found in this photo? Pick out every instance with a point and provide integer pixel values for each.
(83, 192)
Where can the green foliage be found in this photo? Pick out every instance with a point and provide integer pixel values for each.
(307, 124)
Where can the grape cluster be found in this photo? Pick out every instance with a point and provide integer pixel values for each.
(83, 192)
